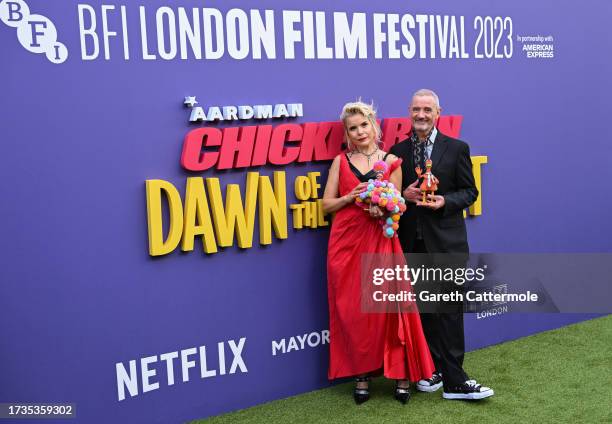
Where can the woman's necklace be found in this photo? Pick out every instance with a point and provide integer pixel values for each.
(368, 156)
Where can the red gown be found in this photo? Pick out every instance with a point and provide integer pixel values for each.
(360, 342)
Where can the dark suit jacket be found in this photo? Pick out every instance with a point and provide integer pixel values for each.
(444, 229)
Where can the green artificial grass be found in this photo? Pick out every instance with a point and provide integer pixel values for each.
(559, 376)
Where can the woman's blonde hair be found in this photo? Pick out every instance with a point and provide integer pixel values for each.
(364, 109)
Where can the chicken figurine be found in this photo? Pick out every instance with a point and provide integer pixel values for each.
(430, 182)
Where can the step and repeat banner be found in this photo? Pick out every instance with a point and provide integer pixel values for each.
(164, 245)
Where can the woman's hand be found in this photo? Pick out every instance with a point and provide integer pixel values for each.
(352, 195)
(375, 211)
(332, 201)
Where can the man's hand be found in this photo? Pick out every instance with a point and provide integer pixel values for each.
(412, 193)
(435, 202)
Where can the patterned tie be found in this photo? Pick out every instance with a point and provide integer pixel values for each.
(419, 152)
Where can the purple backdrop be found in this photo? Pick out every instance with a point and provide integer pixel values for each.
(79, 292)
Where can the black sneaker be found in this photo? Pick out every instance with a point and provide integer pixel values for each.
(470, 390)
(431, 384)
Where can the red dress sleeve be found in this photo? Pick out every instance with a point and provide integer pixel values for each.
(393, 167)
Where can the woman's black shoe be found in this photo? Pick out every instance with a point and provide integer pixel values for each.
(402, 394)
(361, 395)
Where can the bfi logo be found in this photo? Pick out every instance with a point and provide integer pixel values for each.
(36, 33)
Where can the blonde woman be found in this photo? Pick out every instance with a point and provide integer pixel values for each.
(363, 344)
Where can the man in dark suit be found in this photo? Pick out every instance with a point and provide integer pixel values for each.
(437, 226)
